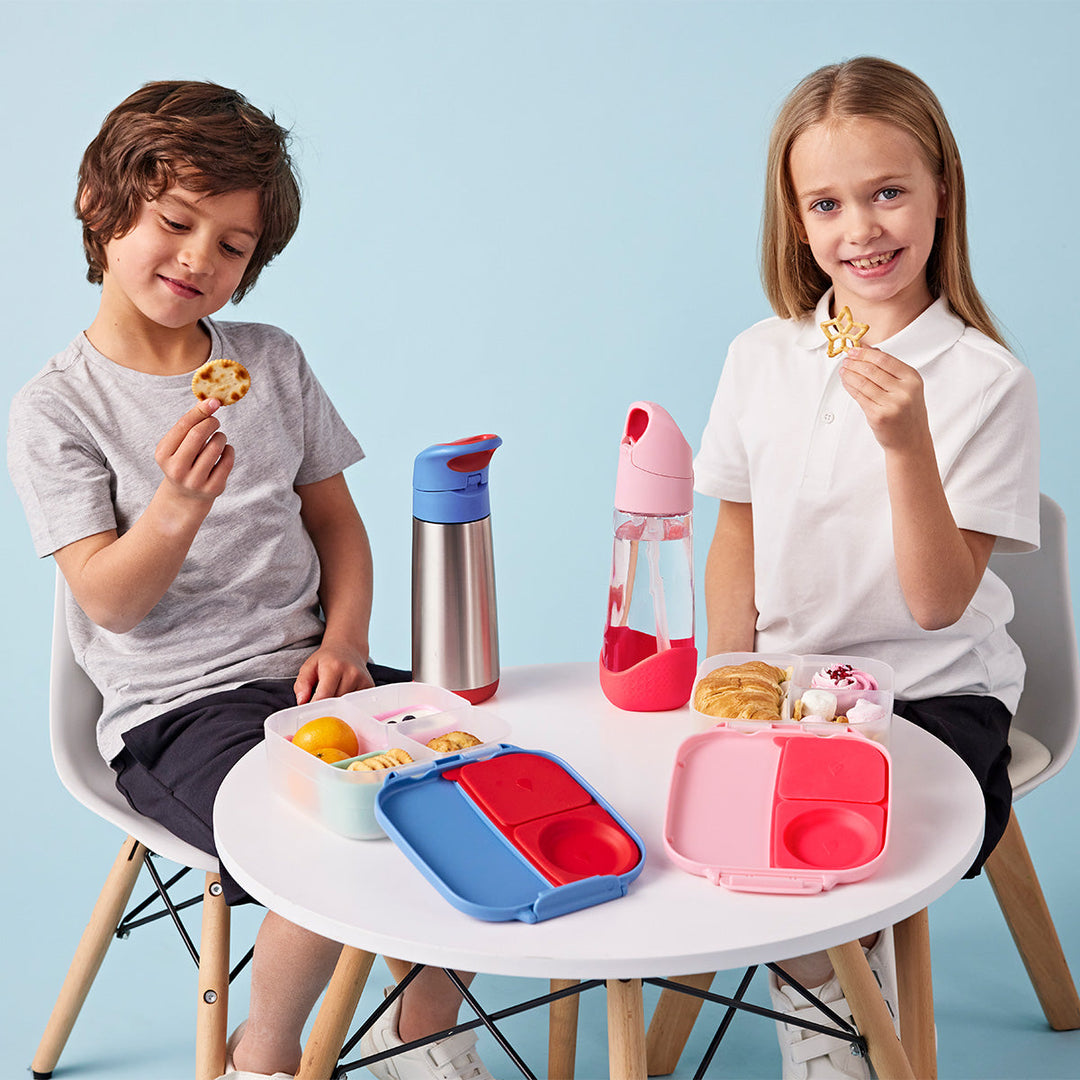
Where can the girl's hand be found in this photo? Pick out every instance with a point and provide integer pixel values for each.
(332, 670)
(890, 394)
(195, 456)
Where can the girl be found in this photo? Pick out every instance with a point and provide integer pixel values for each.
(861, 496)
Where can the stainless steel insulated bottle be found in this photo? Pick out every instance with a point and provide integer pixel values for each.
(455, 634)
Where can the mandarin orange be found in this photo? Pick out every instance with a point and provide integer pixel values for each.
(331, 754)
(327, 732)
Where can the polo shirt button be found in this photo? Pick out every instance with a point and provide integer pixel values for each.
(828, 417)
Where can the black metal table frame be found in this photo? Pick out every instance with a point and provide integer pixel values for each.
(843, 1030)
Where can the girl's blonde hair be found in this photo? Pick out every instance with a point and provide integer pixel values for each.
(872, 88)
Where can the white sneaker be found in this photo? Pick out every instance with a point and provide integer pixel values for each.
(453, 1058)
(811, 1055)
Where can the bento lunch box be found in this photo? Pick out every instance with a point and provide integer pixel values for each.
(510, 834)
(803, 669)
(405, 715)
(780, 809)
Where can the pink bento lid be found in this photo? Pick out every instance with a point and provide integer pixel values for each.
(780, 809)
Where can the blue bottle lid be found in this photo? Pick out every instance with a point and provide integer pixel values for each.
(450, 480)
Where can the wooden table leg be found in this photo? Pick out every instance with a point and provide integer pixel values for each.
(562, 1032)
(870, 1012)
(335, 1014)
(212, 1014)
(672, 1021)
(915, 985)
(626, 1030)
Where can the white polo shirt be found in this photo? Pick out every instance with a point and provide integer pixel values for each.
(784, 435)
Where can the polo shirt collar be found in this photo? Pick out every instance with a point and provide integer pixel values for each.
(934, 331)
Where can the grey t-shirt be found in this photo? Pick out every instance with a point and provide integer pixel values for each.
(244, 605)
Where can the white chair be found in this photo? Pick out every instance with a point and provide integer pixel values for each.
(74, 707)
(1042, 736)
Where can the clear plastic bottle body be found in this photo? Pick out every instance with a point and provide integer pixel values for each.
(651, 595)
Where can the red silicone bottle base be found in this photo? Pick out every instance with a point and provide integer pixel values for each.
(658, 683)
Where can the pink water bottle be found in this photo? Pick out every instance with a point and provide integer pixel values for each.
(648, 661)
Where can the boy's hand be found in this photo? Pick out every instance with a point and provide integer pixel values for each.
(890, 394)
(195, 455)
(332, 670)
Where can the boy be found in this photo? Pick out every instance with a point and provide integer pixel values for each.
(219, 568)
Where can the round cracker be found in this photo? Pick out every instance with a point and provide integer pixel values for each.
(226, 380)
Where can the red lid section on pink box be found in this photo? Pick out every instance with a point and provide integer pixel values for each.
(847, 770)
(824, 836)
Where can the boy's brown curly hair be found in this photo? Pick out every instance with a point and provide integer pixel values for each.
(202, 136)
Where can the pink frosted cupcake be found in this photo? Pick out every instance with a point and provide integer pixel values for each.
(846, 682)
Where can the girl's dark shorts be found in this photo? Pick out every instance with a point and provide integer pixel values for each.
(172, 766)
(976, 727)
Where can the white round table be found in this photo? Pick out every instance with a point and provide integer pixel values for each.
(367, 895)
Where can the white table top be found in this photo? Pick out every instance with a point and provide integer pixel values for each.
(365, 893)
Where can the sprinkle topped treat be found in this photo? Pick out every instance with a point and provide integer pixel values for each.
(843, 332)
(226, 380)
(843, 677)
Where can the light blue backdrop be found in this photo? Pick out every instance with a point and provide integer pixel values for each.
(519, 217)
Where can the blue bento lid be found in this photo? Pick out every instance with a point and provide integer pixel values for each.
(465, 825)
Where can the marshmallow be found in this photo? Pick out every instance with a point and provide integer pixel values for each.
(819, 704)
(864, 711)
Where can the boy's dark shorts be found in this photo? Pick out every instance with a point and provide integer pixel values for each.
(172, 766)
(976, 728)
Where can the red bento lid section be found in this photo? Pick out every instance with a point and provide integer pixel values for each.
(843, 768)
(809, 835)
(577, 844)
(515, 788)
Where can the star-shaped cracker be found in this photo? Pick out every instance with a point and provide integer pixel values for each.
(843, 332)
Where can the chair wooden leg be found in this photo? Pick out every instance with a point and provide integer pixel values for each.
(89, 954)
(335, 1014)
(1020, 896)
(562, 1032)
(869, 1012)
(212, 1010)
(911, 939)
(626, 1030)
(672, 1021)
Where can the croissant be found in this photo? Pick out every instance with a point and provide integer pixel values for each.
(749, 691)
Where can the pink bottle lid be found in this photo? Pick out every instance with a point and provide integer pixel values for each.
(656, 464)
